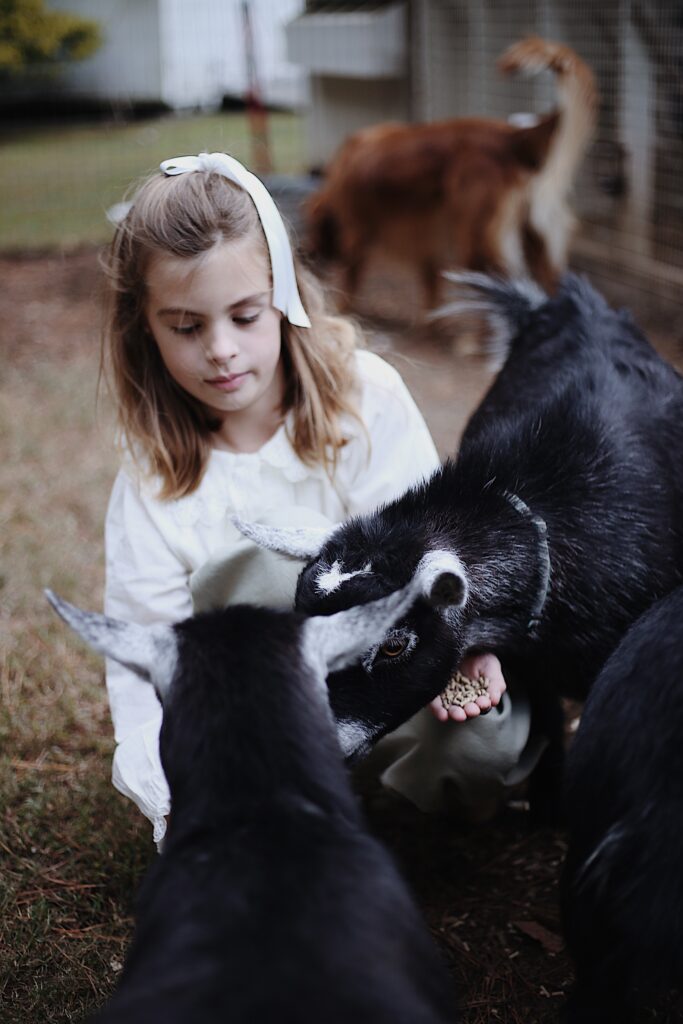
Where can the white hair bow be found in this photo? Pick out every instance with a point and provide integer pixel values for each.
(286, 296)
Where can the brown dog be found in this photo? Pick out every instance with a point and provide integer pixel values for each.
(471, 193)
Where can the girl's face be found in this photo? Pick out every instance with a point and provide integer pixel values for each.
(217, 331)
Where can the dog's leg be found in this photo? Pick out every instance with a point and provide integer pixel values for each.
(354, 252)
(430, 279)
(538, 259)
(350, 281)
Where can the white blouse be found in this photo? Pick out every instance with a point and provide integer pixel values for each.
(153, 547)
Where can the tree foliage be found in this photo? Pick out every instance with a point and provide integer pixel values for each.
(30, 35)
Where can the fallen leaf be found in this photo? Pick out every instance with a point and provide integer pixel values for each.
(551, 942)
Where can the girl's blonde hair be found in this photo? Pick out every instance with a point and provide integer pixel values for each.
(186, 215)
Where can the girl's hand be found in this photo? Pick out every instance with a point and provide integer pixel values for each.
(472, 667)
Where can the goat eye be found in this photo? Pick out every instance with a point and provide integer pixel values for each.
(397, 644)
(394, 646)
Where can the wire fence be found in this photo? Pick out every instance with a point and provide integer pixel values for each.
(440, 62)
(628, 195)
(361, 63)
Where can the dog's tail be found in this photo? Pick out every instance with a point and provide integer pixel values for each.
(578, 99)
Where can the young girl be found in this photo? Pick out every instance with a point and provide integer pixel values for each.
(236, 393)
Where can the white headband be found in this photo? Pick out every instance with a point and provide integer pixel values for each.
(286, 296)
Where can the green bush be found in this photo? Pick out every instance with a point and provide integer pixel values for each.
(30, 35)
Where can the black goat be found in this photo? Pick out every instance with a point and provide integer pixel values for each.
(270, 902)
(564, 510)
(622, 885)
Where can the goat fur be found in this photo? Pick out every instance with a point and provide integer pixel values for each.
(584, 424)
(622, 883)
(270, 902)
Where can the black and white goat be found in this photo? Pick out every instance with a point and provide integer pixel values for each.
(270, 901)
(562, 514)
(622, 885)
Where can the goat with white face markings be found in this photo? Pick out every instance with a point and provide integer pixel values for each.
(270, 901)
(622, 884)
(563, 509)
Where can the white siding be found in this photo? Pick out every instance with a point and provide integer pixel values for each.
(201, 47)
(283, 83)
(127, 67)
(186, 53)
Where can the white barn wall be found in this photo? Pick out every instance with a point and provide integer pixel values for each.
(184, 53)
(283, 82)
(201, 52)
(127, 67)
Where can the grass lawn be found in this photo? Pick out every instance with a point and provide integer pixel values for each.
(71, 850)
(57, 182)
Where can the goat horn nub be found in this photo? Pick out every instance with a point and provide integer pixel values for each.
(443, 579)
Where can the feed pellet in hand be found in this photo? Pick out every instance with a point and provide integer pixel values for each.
(461, 690)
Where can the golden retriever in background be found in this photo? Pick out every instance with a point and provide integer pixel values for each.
(472, 193)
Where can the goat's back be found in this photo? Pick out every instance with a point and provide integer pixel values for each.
(585, 423)
(270, 900)
(584, 409)
(295, 917)
(576, 343)
(622, 888)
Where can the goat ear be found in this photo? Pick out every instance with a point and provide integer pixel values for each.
(332, 642)
(442, 579)
(149, 651)
(300, 542)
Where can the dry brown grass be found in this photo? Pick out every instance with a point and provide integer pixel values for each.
(71, 850)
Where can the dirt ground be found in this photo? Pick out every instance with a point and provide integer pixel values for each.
(489, 892)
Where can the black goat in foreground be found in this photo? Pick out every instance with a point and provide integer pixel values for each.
(270, 903)
(622, 885)
(563, 511)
